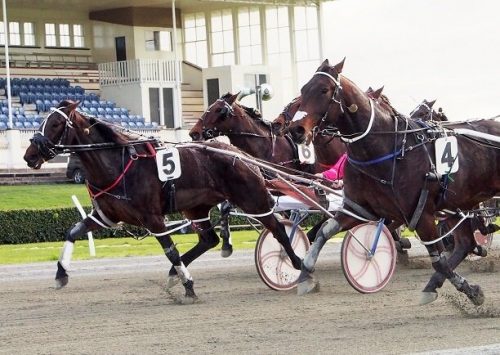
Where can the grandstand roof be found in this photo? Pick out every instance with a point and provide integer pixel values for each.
(96, 5)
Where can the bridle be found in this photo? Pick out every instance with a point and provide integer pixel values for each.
(45, 146)
(429, 114)
(337, 99)
(227, 111)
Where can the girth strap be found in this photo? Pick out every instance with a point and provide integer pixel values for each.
(359, 210)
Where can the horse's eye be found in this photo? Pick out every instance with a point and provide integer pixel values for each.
(324, 90)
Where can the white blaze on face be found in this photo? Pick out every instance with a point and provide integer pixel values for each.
(299, 115)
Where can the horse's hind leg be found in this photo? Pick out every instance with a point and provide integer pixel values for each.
(76, 231)
(464, 244)
(225, 234)
(207, 239)
(279, 232)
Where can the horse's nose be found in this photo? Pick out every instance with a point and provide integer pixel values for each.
(196, 136)
(298, 133)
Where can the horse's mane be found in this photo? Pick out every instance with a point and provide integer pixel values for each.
(107, 130)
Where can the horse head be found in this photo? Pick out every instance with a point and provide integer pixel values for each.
(215, 121)
(425, 112)
(281, 123)
(326, 98)
(56, 129)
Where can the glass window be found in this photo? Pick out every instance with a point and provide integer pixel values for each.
(50, 35)
(14, 34)
(78, 37)
(64, 36)
(195, 39)
(2, 33)
(29, 34)
(222, 37)
(249, 35)
(306, 42)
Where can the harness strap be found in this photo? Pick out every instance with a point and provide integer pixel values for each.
(358, 209)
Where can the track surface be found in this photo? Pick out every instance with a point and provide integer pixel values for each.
(120, 306)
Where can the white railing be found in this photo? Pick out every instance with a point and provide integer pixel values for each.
(138, 71)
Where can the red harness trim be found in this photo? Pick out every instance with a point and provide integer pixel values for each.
(152, 154)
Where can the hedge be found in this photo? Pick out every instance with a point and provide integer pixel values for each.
(49, 225)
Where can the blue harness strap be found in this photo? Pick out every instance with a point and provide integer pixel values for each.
(374, 161)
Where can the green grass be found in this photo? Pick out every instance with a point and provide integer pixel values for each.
(41, 196)
(112, 248)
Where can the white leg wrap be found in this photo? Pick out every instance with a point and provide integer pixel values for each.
(183, 273)
(66, 254)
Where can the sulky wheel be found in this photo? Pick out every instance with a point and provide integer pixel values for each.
(365, 272)
(272, 262)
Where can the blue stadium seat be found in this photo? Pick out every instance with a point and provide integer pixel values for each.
(28, 125)
(79, 90)
(110, 104)
(116, 117)
(93, 111)
(86, 110)
(139, 124)
(18, 125)
(101, 111)
(124, 124)
(36, 124)
(3, 126)
(108, 117)
(20, 118)
(3, 117)
(125, 118)
(132, 125)
(87, 104)
(94, 104)
(79, 97)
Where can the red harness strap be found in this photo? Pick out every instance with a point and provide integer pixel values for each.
(152, 154)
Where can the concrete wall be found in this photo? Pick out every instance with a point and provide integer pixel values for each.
(104, 41)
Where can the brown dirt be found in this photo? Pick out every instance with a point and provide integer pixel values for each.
(131, 313)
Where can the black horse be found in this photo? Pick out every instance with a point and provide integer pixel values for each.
(392, 172)
(123, 181)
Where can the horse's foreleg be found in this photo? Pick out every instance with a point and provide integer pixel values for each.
(182, 272)
(307, 283)
(66, 255)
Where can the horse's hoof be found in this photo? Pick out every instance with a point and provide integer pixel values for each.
(172, 280)
(226, 253)
(186, 300)
(477, 296)
(60, 283)
(307, 286)
(428, 297)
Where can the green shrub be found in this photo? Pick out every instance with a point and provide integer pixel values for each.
(50, 225)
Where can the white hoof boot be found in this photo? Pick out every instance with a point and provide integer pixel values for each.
(307, 286)
(428, 297)
(172, 281)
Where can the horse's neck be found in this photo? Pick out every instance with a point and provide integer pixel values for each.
(328, 150)
(354, 125)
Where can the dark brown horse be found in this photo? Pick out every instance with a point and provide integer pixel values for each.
(425, 112)
(392, 172)
(123, 179)
(247, 130)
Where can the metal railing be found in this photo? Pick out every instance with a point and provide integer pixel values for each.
(138, 71)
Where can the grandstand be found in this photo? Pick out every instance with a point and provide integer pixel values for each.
(147, 65)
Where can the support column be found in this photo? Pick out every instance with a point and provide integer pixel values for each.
(14, 150)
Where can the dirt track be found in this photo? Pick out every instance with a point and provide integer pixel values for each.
(127, 311)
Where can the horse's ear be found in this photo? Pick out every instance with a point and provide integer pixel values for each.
(73, 105)
(377, 93)
(323, 65)
(232, 98)
(431, 103)
(339, 66)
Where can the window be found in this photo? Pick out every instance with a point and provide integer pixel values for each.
(195, 39)
(278, 45)
(306, 42)
(14, 34)
(158, 41)
(20, 33)
(222, 38)
(50, 35)
(78, 38)
(249, 35)
(29, 34)
(64, 35)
